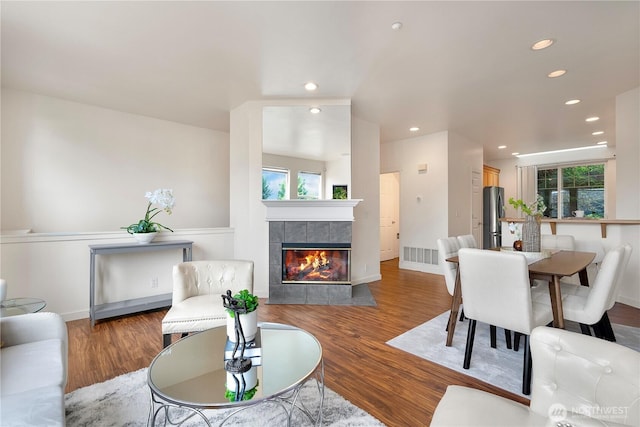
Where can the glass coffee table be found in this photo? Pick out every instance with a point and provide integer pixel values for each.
(189, 376)
(16, 306)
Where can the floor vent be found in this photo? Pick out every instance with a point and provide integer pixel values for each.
(420, 255)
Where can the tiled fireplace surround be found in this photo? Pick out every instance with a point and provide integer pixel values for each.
(305, 232)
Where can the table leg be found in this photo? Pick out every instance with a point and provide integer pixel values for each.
(556, 302)
(456, 299)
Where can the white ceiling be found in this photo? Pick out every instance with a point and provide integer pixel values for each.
(462, 66)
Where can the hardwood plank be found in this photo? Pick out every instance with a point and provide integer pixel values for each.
(396, 387)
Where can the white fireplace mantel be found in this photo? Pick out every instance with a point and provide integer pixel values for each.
(310, 210)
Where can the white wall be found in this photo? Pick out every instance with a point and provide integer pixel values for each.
(75, 173)
(365, 179)
(71, 167)
(424, 198)
(465, 157)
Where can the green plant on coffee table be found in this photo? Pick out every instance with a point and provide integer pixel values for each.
(250, 301)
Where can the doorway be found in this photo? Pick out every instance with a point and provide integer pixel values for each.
(389, 216)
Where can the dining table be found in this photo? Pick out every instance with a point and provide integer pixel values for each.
(551, 268)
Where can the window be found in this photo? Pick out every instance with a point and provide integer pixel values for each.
(309, 185)
(275, 184)
(569, 188)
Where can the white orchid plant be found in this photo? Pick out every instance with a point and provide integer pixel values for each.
(163, 198)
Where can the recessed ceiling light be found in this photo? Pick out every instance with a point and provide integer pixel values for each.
(572, 102)
(515, 154)
(597, 133)
(314, 110)
(501, 147)
(592, 119)
(542, 44)
(601, 143)
(310, 86)
(557, 73)
(414, 129)
(396, 26)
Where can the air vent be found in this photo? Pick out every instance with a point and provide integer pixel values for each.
(420, 255)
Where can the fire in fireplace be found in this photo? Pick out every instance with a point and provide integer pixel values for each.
(313, 263)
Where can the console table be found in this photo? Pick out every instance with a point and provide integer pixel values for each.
(119, 308)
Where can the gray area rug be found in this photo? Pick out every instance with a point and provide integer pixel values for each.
(500, 367)
(125, 401)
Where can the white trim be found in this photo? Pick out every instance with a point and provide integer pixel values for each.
(310, 210)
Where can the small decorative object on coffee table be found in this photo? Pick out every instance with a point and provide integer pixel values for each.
(238, 364)
(145, 230)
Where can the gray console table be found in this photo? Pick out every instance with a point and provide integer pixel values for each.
(112, 309)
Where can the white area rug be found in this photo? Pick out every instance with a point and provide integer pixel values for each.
(125, 401)
(500, 367)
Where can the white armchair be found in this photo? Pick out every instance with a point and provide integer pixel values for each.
(197, 289)
(578, 380)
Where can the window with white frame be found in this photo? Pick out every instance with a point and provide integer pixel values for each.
(570, 188)
(275, 184)
(309, 185)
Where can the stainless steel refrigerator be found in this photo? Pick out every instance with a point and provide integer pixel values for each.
(493, 210)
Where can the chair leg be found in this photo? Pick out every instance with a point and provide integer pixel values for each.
(585, 329)
(492, 333)
(462, 315)
(526, 370)
(469, 348)
(507, 338)
(607, 330)
(516, 341)
(597, 330)
(166, 340)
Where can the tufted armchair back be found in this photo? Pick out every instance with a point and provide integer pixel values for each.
(213, 277)
(584, 375)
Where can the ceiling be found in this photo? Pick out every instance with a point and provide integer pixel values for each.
(466, 67)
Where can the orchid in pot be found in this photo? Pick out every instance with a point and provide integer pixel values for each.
(165, 201)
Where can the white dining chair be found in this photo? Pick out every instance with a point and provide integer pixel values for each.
(496, 291)
(588, 305)
(557, 242)
(467, 241)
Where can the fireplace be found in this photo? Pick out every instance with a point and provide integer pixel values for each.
(326, 263)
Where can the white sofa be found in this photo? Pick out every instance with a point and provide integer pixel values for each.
(33, 370)
(578, 381)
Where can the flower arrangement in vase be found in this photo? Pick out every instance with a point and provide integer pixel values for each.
(146, 229)
(531, 228)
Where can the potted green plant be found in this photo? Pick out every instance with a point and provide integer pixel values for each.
(248, 320)
(251, 381)
(145, 230)
(531, 227)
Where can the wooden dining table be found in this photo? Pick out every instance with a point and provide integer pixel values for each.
(558, 265)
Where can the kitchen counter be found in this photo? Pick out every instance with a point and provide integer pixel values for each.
(582, 221)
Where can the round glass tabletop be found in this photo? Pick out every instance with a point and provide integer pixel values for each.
(16, 306)
(191, 372)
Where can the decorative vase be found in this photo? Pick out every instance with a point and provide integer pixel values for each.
(250, 379)
(249, 322)
(144, 238)
(531, 234)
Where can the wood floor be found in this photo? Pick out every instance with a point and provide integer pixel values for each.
(397, 388)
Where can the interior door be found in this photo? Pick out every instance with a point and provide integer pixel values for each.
(389, 215)
(476, 206)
